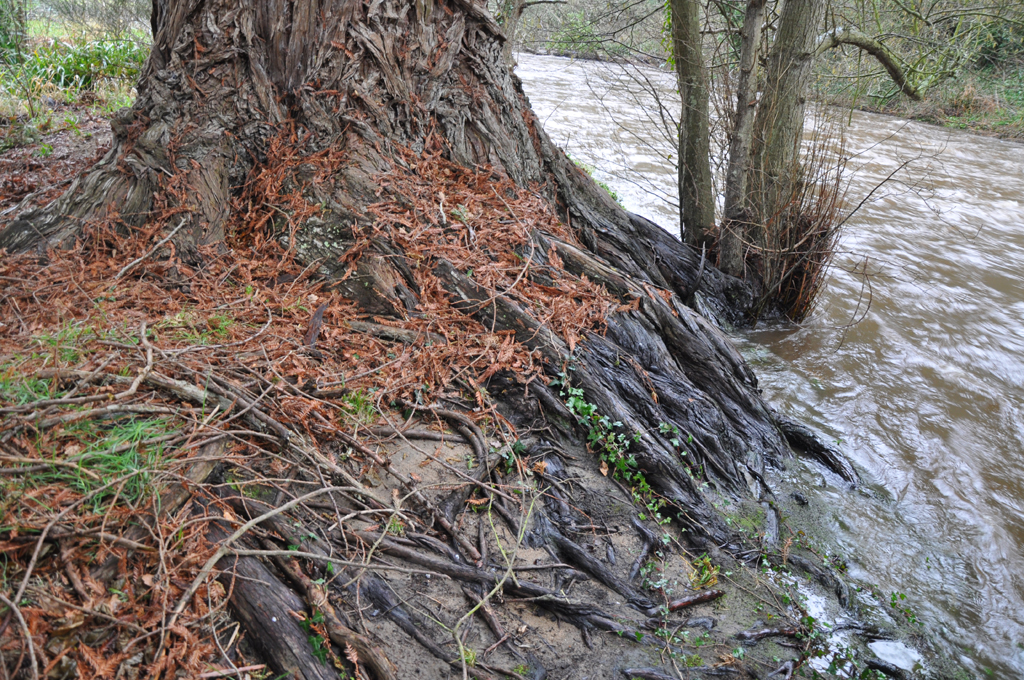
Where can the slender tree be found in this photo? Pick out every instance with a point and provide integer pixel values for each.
(779, 121)
(772, 224)
(696, 195)
(733, 231)
(12, 29)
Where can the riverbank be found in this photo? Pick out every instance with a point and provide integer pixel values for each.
(259, 384)
(987, 101)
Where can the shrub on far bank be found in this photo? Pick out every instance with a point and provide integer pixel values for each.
(81, 64)
(50, 71)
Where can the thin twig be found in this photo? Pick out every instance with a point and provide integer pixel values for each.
(131, 265)
(24, 631)
(245, 552)
(232, 671)
(53, 522)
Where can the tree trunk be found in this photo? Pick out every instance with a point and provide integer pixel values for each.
(733, 231)
(779, 122)
(510, 14)
(696, 194)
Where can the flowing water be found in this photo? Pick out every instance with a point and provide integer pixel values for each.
(913, 359)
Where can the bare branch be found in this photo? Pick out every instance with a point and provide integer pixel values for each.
(852, 36)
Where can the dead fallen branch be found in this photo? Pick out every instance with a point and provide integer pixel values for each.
(695, 599)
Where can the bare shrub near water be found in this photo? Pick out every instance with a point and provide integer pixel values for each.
(616, 30)
(791, 251)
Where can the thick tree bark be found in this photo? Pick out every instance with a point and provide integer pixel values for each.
(266, 608)
(733, 230)
(696, 193)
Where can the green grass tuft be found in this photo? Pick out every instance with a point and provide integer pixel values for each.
(65, 343)
(112, 451)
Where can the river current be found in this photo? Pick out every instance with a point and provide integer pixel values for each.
(913, 358)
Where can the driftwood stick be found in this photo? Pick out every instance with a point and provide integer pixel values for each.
(428, 435)
(48, 464)
(767, 632)
(488, 614)
(403, 335)
(26, 635)
(233, 671)
(695, 599)
(313, 332)
(646, 674)
(131, 265)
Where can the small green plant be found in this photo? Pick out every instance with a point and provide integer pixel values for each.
(114, 95)
(247, 488)
(21, 391)
(44, 150)
(589, 169)
(674, 438)
(64, 343)
(220, 324)
(81, 64)
(59, 69)
(521, 669)
(119, 450)
(704, 574)
(313, 625)
(896, 602)
(511, 455)
(613, 448)
(395, 526)
(602, 437)
(460, 213)
(469, 656)
(70, 123)
(359, 406)
(190, 326)
(693, 661)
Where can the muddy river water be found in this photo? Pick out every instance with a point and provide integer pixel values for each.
(913, 359)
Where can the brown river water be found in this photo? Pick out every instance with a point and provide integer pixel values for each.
(913, 359)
